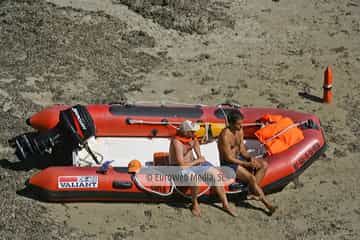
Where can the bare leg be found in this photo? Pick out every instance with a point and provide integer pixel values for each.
(260, 173)
(195, 208)
(245, 176)
(219, 188)
(222, 195)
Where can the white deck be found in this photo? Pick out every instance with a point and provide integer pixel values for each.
(124, 149)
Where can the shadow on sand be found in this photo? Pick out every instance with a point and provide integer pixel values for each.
(311, 97)
(238, 200)
(56, 158)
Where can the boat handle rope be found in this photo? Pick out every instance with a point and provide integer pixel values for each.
(88, 149)
(189, 197)
(89, 162)
(173, 186)
(203, 192)
(141, 186)
(225, 116)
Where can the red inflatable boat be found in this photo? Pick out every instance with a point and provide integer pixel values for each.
(134, 122)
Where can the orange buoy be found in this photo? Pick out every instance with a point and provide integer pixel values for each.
(328, 78)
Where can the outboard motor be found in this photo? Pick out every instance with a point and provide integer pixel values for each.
(74, 128)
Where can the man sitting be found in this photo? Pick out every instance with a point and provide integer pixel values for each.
(181, 154)
(231, 149)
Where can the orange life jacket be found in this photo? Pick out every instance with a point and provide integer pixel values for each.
(184, 140)
(270, 118)
(284, 140)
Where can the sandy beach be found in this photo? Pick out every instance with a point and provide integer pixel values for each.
(256, 53)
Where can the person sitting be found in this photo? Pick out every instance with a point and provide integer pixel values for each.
(232, 153)
(181, 154)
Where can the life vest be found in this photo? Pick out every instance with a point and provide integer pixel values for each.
(270, 118)
(184, 140)
(188, 142)
(276, 124)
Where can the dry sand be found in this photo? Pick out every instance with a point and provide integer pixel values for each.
(258, 53)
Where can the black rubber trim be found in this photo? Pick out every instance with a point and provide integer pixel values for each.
(28, 122)
(122, 184)
(154, 111)
(121, 169)
(63, 196)
(281, 183)
(41, 194)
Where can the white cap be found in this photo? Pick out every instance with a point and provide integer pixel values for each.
(188, 125)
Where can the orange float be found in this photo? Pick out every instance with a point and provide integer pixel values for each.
(328, 81)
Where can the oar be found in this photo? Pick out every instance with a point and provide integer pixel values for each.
(143, 122)
(165, 123)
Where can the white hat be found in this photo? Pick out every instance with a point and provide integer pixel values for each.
(187, 125)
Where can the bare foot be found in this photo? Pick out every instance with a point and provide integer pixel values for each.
(230, 211)
(253, 197)
(195, 210)
(272, 209)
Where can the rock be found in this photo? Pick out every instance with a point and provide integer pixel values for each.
(148, 213)
(139, 39)
(168, 91)
(177, 74)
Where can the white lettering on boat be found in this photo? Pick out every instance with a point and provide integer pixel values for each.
(77, 181)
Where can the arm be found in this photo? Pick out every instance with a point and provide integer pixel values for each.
(197, 151)
(228, 153)
(244, 153)
(178, 149)
(242, 147)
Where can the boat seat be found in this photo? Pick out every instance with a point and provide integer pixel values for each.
(161, 159)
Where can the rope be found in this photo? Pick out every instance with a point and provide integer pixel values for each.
(225, 116)
(89, 162)
(141, 186)
(203, 192)
(189, 197)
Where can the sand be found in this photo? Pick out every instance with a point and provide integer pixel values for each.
(257, 53)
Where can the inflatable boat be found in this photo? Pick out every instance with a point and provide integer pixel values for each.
(122, 132)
